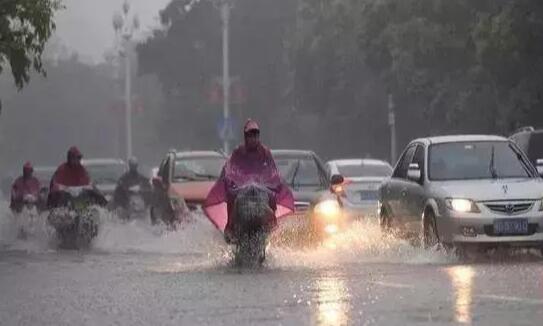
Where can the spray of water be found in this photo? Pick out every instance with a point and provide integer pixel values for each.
(362, 242)
(200, 243)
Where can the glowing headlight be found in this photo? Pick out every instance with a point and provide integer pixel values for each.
(329, 207)
(462, 205)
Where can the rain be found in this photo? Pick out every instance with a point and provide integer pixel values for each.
(271, 162)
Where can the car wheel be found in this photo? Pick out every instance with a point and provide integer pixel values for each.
(430, 237)
(384, 221)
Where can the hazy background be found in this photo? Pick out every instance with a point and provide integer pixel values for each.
(85, 25)
(316, 74)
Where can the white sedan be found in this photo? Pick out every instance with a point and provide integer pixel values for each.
(363, 177)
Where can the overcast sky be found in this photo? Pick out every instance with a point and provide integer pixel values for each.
(85, 26)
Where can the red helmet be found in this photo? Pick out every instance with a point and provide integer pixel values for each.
(74, 152)
(28, 167)
(251, 125)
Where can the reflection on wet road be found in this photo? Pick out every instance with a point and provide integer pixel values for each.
(332, 300)
(136, 275)
(462, 281)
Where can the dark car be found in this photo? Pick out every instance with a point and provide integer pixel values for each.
(105, 173)
(530, 141)
(311, 185)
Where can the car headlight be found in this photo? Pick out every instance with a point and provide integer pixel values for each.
(541, 205)
(462, 205)
(329, 208)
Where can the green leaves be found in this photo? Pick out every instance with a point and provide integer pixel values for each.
(453, 62)
(25, 27)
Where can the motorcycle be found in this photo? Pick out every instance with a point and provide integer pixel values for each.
(254, 220)
(76, 219)
(136, 207)
(26, 217)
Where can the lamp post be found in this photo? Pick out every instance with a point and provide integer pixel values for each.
(225, 7)
(125, 26)
(392, 125)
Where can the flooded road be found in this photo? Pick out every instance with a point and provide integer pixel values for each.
(138, 275)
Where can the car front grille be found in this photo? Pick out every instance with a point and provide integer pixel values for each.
(510, 208)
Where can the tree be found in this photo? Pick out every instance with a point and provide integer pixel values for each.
(186, 56)
(25, 27)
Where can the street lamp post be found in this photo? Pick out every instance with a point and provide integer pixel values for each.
(225, 14)
(392, 125)
(125, 27)
(225, 7)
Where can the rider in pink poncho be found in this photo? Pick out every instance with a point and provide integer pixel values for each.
(250, 162)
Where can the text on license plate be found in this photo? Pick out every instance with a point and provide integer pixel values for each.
(511, 226)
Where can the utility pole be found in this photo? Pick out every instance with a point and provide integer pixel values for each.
(392, 125)
(225, 14)
(125, 27)
(225, 7)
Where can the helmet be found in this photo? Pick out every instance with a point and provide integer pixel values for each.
(251, 125)
(132, 161)
(74, 152)
(28, 167)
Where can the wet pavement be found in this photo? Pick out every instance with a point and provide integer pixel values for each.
(136, 275)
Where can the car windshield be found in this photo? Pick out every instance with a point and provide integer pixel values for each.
(105, 173)
(364, 170)
(198, 168)
(299, 171)
(475, 160)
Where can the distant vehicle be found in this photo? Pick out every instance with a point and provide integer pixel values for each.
(363, 179)
(183, 182)
(465, 190)
(530, 141)
(105, 173)
(44, 174)
(313, 190)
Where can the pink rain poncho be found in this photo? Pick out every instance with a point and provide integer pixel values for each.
(242, 168)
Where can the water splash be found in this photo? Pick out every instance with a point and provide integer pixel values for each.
(196, 238)
(362, 242)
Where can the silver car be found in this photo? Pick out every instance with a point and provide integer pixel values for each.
(363, 177)
(460, 190)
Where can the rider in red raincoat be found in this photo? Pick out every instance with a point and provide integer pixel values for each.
(69, 174)
(250, 161)
(25, 185)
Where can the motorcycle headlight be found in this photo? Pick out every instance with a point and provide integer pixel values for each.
(329, 208)
(462, 205)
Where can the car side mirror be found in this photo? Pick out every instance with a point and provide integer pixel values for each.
(414, 174)
(336, 180)
(539, 166)
(336, 184)
(158, 183)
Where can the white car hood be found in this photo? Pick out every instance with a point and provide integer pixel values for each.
(490, 190)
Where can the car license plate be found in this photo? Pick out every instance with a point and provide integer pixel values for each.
(511, 226)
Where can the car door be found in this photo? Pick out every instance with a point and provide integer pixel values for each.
(393, 189)
(414, 198)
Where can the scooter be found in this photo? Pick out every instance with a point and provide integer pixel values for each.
(76, 218)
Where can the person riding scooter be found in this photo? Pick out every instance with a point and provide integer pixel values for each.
(25, 188)
(250, 162)
(68, 175)
(129, 181)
